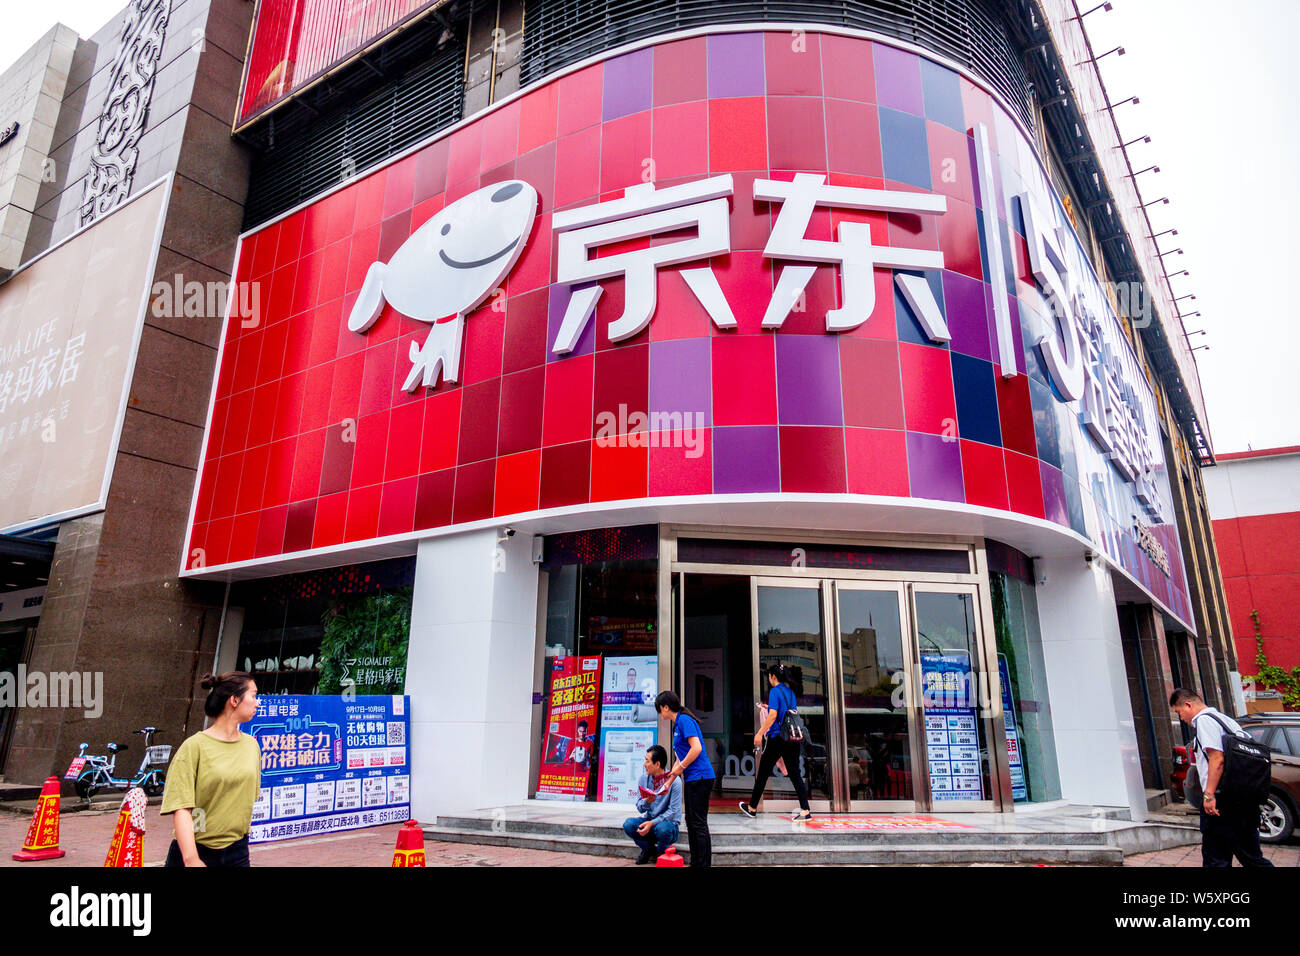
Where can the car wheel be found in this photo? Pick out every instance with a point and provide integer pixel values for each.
(1276, 820)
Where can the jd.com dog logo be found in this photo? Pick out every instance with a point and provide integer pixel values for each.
(445, 270)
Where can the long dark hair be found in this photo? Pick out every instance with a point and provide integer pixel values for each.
(670, 700)
(222, 687)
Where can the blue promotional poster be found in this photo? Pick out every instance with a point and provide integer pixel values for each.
(628, 724)
(1018, 790)
(330, 764)
(951, 732)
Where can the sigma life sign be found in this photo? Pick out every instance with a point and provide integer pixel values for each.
(1077, 333)
(845, 267)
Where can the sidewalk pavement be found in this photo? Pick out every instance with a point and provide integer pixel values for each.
(85, 837)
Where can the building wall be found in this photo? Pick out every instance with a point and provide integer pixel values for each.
(114, 604)
(1254, 502)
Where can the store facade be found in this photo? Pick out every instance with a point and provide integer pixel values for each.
(724, 347)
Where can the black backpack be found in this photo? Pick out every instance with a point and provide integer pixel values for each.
(1247, 766)
(793, 729)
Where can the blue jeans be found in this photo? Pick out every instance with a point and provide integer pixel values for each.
(664, 834)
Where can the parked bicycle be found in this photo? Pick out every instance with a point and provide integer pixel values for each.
(92, 773)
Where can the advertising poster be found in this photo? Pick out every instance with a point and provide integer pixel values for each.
(628, 724)
(1018, 789)
(706, 688)
(571, 731)
(330, 764)
(951, 732)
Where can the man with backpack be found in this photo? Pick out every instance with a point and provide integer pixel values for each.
(1232, 771)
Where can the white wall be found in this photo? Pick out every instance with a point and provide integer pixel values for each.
(470, 672)
(1253, 486)
(1092, 719)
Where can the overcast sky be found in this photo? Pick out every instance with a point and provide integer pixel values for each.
(1217, 87)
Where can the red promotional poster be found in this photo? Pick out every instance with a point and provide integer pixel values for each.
(569, 748)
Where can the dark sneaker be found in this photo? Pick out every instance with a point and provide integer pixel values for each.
(647, 856)
(747, 810)
(801, 815)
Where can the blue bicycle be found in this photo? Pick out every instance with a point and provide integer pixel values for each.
(92, 773)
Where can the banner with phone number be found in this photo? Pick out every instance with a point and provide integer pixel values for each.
(330, 764)
(570, 736)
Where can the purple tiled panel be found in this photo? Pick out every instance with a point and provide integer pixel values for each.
(679, 378)
(557, 302)
(934, 467)
(736, 65)
(746, 459)
(628, 84)
(808, 380)
(898, 80)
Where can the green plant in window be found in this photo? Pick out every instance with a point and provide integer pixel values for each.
(1271, 675)
(363, 649)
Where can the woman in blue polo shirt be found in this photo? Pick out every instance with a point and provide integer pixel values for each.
(696, 773)
(780, 700)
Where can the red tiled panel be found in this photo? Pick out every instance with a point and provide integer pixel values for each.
(796, 133)
(681, 462)
(537, 122)
(872, 387)
(566, 474)
(1016, 414)
(812, 459)
(479, 410)
(983, 471)
(680, 142)
(618, 471)
(331, 515)
(567, 414)
(438, 442)
(433, 498)
(848, 71)
(474, 491)
(518, 481)
(1024, 484)
(680, 71)
(362, 522)
(737, 134)
(522, 397)
(1279, 611)
(853, 138)
(744, 380)
(397, 506)
(580, 98)
(928, 400)
(792, 62)
(877, 461)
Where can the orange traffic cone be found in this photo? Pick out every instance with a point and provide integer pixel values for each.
(127, 847)
(42, 841)
(410, 845)
(670, 858)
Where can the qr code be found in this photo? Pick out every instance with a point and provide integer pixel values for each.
(397, 734)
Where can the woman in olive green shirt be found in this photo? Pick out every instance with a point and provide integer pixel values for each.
(213, 780)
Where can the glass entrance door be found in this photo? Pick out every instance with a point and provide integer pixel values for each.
(955, 699)
(877, 684)
(790, 628)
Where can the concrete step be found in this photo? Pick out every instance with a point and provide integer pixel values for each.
(802, 836)
(795, 854)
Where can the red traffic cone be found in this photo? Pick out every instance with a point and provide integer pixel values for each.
(410, 845)
(670, 858)
(42, 841)
(127, 847)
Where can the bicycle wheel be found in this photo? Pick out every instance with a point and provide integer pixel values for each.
(86, 785)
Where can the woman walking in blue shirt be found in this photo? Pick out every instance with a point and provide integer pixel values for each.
(780, 699)
(696, 773)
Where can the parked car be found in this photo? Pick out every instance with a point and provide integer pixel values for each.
(1178, 778)
(1280, 732)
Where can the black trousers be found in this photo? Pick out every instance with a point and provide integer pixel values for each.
(231, 856)
(1234, 832)
(774, 750)
(695, 800)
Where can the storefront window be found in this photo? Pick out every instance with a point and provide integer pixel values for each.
(600, 674)
(342, 630)
(1028, 715)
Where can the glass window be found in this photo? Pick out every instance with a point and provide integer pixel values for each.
(1028, 713)
(327, 632)
(1292, 737)
(599, 677)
